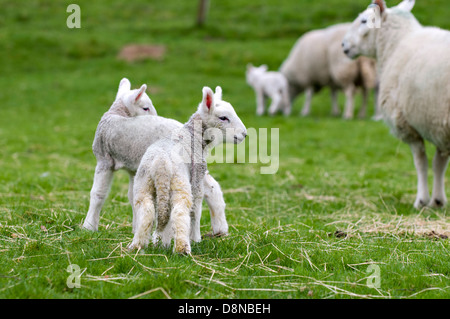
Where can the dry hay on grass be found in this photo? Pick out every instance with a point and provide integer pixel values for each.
(140, 52)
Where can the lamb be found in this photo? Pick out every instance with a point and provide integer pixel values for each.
(121, 140)
(170, 175)
(317, 60)
(269, 84)
(414, 70)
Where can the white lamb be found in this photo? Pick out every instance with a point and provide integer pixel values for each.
(269, 84)
(121, 140)
(169, 181)
(414, 69)
(317, 60)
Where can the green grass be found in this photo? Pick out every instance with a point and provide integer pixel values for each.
(351, 176)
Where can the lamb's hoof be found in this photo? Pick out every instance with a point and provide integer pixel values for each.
(421, 203)
(437, 203)
(183, 249)
(211, 235)
(348, 117)
(89, 227)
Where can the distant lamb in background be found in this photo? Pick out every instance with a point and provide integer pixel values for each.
(317, 60)
(269, 84)
(169, 181)
(121, 140)
(414, 69)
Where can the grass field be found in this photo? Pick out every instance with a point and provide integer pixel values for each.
(286, 230)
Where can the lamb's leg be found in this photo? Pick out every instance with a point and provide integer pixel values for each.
(214, 198)
(196, 215)
(130, 199)
(259, 102)
(363, 111)
(440, 162)
(308, 97)
(349, 103)
(144, 208)
(180, 215)
(99, 192)
(421, 163)
(275, 105)
(334, 102)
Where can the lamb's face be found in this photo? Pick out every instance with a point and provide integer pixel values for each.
(221, 119)
(138, 102)
(361, 37)
(253, 73)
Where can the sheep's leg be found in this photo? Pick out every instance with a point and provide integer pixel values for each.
(144, 207)
(130, 199)
(421, 163)
(274, 106)
(308, 97)
(377, 116)
(365, 96)
(99, 192)
(440, 162)
(214, 198)
(259, 102)
(180, 215)
(334, 102)
(349, 103)
(287, 105)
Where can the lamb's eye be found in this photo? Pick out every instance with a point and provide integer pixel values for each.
(224, 118)
(364, 21)
(146, 109)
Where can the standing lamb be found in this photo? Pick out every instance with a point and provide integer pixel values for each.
(317, 60)
(171, 173)
(120, 142)
(414, 70)
(269, 84)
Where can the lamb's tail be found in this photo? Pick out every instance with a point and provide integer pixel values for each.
(162, 186)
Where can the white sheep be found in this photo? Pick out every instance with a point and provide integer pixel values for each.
(414, 71)
(121, 140)
(269, 84)
(317, 60)
(169, 181)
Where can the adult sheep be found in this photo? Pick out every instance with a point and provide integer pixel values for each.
(414, 69)
(317, 60)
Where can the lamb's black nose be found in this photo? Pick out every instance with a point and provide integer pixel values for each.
(346, 51)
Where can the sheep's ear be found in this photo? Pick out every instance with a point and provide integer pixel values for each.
(218, 93)
(124, 86)
(140, 92)
(264, 67)
(407, 5)
(208, 100)
(381, 4)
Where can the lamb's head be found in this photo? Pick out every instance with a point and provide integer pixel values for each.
(253, 73)
(361, 37)
(222, 123)
(136, 101)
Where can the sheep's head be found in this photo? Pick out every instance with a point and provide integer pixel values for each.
(361, 37)
(221, 121)
(136, 101)
(253, 73)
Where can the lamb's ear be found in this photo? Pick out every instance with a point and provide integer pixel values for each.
(264, 67)
(381, 4)
(407, 5)
(124, 86)
(208, 100)
(140, 92)
(218, 93)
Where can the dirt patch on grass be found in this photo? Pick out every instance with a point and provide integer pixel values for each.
(140, 52)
